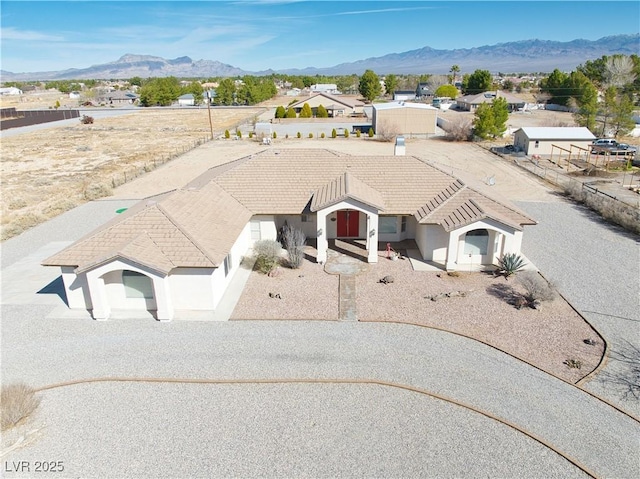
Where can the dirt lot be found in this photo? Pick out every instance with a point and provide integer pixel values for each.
(49, 171)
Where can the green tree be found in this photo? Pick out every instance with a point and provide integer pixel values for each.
(478, 82)
(160, 91)
(390, 84)
(135, 81)
(334, 133)
(483, 122)
(622, 122)
(508, 85)
(346, 133)
(500, 110)
(306, 111)
(195, 88)
(555, 85)
(448, 91)
(281, 112)
(225, 93)
(322, 112)
(291, 113)
(371, 133)
(369, 86)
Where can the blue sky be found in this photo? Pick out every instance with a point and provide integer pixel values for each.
(279, 34)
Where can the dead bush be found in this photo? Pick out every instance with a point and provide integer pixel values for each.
(460, 129)
(385, 131)
(267, 254)
(17, 402)
(293, 240)
(535, 286)
(93, 191)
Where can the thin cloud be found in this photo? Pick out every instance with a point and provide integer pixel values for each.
(28, 35)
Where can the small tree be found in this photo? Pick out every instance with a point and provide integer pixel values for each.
(322, 112)
(281, 112)
(334, 133)
(299, 135)
(275, 135)
(310, 135)
(346, 133)
(238, 133)
(250, 134)
(369, 86)
(227, 134)
(322, 135)
(358, 133)
(448, 91)
(371, 133)
(306, 111)
(57, 104)
(291, 113)
(483, 122)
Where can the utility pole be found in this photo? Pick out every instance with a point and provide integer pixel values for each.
(209, 111)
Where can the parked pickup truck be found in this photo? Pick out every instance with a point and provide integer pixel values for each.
(609, 146)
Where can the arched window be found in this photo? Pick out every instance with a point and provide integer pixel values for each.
(476, 242)
(137, 285)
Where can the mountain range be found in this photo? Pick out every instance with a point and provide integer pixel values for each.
(522, 56)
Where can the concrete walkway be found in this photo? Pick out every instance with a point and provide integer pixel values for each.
(347, 268)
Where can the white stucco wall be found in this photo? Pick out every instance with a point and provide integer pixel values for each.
(192, 288)
(432, 241)
(268, 227)
(76, 288)
(295, 221)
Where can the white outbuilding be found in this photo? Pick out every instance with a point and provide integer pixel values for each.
(542, 141)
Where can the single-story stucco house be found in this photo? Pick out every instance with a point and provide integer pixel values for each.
(404, 95)
(118, 97)
(405, 118)
(472, 102)
(545, 140)
(179, 250)
(336, 106)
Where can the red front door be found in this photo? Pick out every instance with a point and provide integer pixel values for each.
(348, 224)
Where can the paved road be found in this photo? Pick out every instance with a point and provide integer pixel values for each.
(596, 265)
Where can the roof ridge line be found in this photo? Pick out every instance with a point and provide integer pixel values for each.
(188, 235)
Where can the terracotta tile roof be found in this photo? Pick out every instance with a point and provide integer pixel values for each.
(187, 228)
(197, 225)
(460, 206)
(343, 187)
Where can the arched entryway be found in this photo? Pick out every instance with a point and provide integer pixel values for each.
(129, 290)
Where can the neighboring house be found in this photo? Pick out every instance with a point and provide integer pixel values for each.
(336, 106)
(186, 100)
(209, 95)
(10, 91)
(179, 250)
(472, 102)
(330, 88)
(74, 95)
(547, 140)
(404, 118)
(404, 95)
(293, 92)
(118, 97)
(423, 92)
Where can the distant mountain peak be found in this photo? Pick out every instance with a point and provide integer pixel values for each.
(512, 57)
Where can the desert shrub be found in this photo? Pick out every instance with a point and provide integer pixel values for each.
(267, 254)
(86, 120)
(239, 134)
(275, 135)
(346, 133)
(536, 288)
(334, 133)
(17, 203)
(310, 135)
(250, 134)
(227, 134)
(458, 130)
(385, 131)
(371, 133)
(299, 135)
(286, 136)
(93, 191)
(509, 264)
(293, 240)
(358, 133)
(322, 135)
(18, 403)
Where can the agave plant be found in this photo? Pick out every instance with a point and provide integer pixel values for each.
(510, 263)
